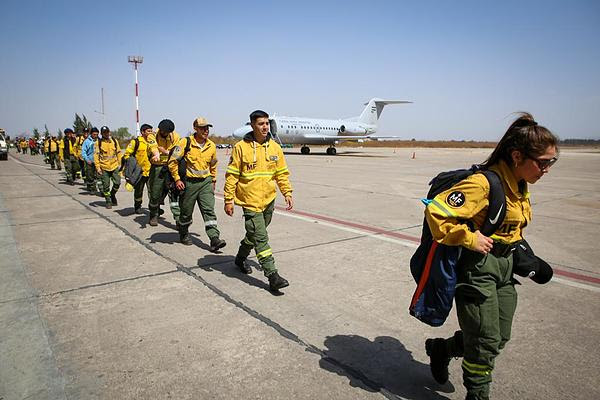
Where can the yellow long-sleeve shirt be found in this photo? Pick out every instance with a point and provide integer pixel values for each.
(141, 155)
(253, 173)
(53, 145)
(157, 140)
(107, 154)
(446, 216)
(201, 160)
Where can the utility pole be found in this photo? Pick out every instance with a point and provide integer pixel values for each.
(135, 60)
(101, 112)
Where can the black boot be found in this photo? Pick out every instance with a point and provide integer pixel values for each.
(113, 198)
(137, 207)
(184, 236)
(108, 203)
(438, 359)
(276, 282)
(216, 244)
(241, 264)
(153, 221)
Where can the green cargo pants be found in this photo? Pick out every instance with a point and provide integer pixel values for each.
(486, 301)
(53, 159)
(199, 191)
(256, 238)
(157, 186)
(108, 176)
(71, 168)
(138, 192)
(90, 176)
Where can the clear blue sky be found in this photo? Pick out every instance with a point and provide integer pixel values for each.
(466, 64)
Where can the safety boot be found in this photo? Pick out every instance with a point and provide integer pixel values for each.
(137, 207)
(113, 198)
(153, 221)
(438, 359)
(241, 264)
(108, 203)
(184, 236)
(216, 244)
(276, 282)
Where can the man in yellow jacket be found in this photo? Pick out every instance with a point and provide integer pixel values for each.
(196, 183)
(160, 145)
(256, 167)
(107, 159)
(138, 148)
(53, 153)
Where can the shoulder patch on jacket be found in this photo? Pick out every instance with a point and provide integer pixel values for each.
(176, 152)
(273, 158)
(456, 199)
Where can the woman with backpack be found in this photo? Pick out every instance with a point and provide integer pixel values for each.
(486, 298)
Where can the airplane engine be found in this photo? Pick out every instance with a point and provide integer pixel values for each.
(352, 129)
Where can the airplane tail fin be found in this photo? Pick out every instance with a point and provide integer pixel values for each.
(373, 110)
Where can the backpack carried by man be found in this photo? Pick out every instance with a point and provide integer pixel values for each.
(433, 265)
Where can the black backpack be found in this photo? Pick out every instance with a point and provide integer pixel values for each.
(433, 265)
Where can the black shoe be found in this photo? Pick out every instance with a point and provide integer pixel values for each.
(161, 211)
(438, 359)
(241, 264)
(184, 238)
(108, 205)
(216, 244)
(113, 198)
(276, 282)
(153, 221)
(138, 211)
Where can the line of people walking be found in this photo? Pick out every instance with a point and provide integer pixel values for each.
(184, 170)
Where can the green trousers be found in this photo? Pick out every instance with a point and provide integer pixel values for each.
(108, 176)
(157, 186)
(71, 168)
(138, 192)
(256, 238)
(486, 301)
(199, 191)
(91, 180)
(53, 159)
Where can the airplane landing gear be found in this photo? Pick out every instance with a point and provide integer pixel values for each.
(331, 151)
(305, 150)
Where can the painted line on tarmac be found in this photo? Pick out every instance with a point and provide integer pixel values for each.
(412, 241)
(349, 370)
(26, 163)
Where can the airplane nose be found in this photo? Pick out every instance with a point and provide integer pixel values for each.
(242, 131)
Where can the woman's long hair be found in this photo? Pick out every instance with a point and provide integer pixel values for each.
(524, 135)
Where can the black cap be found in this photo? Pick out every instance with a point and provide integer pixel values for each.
(166, 125)
(85, 129)
(68, 130)
(527, 264)
(104, 129)
(94, 129)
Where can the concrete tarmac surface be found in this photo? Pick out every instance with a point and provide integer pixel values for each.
(96, 304)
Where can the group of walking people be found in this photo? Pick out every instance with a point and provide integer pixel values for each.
(185, 169)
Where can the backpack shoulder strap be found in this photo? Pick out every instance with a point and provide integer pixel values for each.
(115, 143)
(188, 143)
(497, 204)
(137, 146)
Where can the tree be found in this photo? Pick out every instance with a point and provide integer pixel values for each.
(46, 131)
(36, 133)
(121, 134)
(59, 134)
(80, 123)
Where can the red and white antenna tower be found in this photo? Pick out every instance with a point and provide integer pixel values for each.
(135, 60)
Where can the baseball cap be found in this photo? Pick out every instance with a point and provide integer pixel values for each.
(201, 121)
(166, 125)
(527, 264)
(68, 130)
(94, 129)
(104, 129)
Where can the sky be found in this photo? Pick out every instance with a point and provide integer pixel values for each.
(466, 65)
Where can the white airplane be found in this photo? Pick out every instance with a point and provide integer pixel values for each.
(305, 131)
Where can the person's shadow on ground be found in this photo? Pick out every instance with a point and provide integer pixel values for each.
(382, 365)
(224, 264)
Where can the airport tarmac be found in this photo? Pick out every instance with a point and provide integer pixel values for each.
(96, 304)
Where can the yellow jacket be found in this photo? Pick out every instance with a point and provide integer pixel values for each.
(46, 144)
(107, 154)
(201, 161)
(61, 147)
(252, 173)
(447, 221)
(78, 145)
(155, 140)
(141, 156)
(53, 145)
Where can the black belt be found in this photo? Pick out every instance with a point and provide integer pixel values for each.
(194, 179)
(501, 249)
